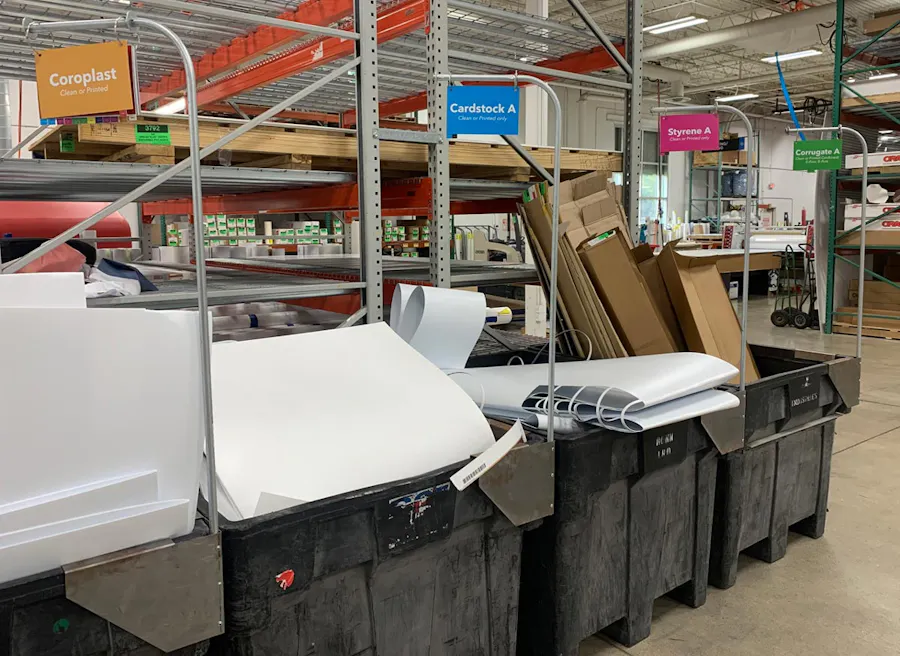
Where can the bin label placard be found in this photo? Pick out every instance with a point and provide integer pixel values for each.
(664, 446)
(416, 517)
(803, 394)
(680, 132)
(67, 142)
(482, 110)
(818, 155)
(157, 135)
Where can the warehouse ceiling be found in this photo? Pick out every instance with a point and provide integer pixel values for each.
(724, 69)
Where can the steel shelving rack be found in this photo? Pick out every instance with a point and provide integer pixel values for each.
(854, 57)
(717, 199)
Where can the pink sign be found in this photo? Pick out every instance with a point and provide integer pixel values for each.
(688, 132)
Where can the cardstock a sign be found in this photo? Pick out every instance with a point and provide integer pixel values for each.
(818, 155)
(84, 80)
(680, 132)
(482, 110)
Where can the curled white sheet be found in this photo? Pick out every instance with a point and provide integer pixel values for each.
(670, 412)
(636, 382)
(398, 306)
(441, 324)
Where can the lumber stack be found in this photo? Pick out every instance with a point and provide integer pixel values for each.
(299, 148)
(881, 299)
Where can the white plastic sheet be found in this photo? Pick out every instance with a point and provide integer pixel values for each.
(85, 500)
(42, 290)
(670, 412)
(441, 324)
(42, 548)
(313, 421)
(85, 396)
(637, 382)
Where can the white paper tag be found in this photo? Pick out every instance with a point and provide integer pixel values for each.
(476, 469)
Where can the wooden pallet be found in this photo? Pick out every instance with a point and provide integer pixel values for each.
(867, 331)
(300, 147)
(877, 170)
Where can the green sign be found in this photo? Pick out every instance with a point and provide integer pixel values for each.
(157, 135)
(818, 155)
(67, 142)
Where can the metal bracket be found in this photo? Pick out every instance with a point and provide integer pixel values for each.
(408, 136)
(845, 375)
(168, 594)
(521, 484)
(726, 428)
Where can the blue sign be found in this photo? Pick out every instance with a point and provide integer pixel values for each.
(482, 110)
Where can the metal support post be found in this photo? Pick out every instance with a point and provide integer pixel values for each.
(841, 130)
(440, 233)
(836, 100)
(368, 160)
(632, 144)
(19, 146)
(525, 155)
(745, 281)
(554, 253)
(601, 36)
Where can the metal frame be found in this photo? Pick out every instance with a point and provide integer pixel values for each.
(745, 282)
(554, 253)
(861, 265)
(631, 153)
(844, 68)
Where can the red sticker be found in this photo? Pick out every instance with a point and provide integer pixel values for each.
(285, 579)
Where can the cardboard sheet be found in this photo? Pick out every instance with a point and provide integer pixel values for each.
(85, 500)
(443, 324)
(707, 318)
(641, 381)
(42, 290)
(46, 547)
(315, 421)
(93, 394)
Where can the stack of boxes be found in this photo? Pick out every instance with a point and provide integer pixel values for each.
(229, 230)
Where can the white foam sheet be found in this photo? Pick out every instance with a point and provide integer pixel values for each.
(42, 290)
(398, 304)
(643, 381)
(314, 422)
(443, 324)
(49, 546)
(85, 500)
(76, 411)
(670, 412)
(272, 502)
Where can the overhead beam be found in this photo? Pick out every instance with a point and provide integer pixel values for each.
(393, 22)
(586, 61)
(257, 43)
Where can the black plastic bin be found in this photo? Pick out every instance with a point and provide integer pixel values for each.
(779, 480)
(623, 534)
(406, 569)
(36, 619)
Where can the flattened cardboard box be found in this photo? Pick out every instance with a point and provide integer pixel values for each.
(649, 268)
(707, 318)
(621, 287)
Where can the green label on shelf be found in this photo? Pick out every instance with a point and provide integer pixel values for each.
(157, 135)
(817, 155)
(67, 142)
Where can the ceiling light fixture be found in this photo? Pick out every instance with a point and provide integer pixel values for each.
(671, 26)
(851, 80)
(885, 131)
(173, 107)
(740, 96)
(791, 55)
(882, 76)
(798, 110)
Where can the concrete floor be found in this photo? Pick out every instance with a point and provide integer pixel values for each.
(839, 595)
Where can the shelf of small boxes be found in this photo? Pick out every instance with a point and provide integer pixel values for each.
(304, 232)
(228, 230)
(406, 237)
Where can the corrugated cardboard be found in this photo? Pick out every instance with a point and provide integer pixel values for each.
(649, 268)
(586, 185)
(707, 318)
(625, 295)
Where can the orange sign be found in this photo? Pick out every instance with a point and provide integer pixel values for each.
(84, 80)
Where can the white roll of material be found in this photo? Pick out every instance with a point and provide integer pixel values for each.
(441, 324)
(398, 304)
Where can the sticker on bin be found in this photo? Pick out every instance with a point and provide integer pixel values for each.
(476, 469)
(285, 579)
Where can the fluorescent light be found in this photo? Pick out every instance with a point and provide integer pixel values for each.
(851, 80)
(740, 96)
(173, 107)
(523, 59)
(885, 131)
(882, 76)
(787, 111)
(792, 55)
(685, 23)
(677, 21)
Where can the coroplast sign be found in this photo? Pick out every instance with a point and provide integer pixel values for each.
(679, 132)
(84, 80)
(482, 110)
